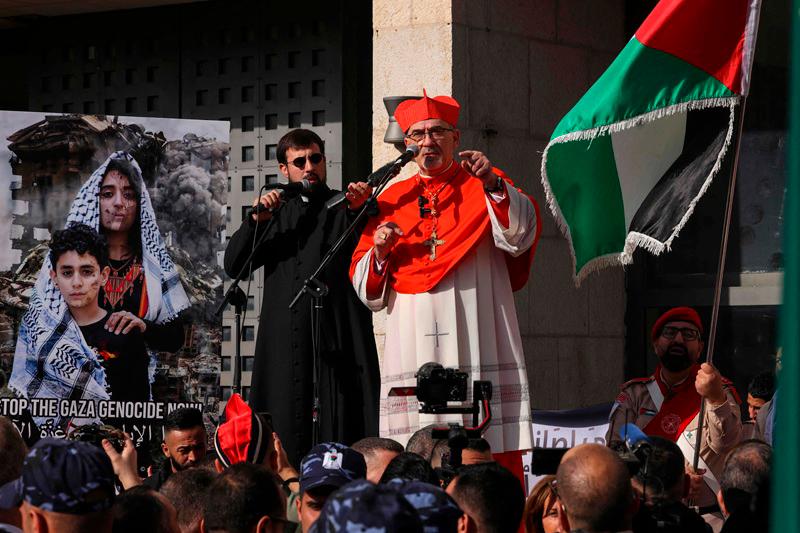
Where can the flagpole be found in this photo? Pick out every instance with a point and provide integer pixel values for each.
(723, 252)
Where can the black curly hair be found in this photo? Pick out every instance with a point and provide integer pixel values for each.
(79, 238)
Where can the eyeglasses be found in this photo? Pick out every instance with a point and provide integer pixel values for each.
(300, 162)
(689, 334)
(436, 133)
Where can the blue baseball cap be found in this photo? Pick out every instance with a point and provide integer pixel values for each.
(331, 464)
(362, 506)
(63, 476)
(438, 511)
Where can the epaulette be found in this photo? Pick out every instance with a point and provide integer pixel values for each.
(643, 380)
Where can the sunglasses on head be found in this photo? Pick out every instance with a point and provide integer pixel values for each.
(300, 162)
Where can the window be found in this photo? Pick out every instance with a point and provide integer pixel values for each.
(229, 184)
(247, 366)
(293, 59)
(152, 103)
(66, 82)
(226, 333)
(294, 120)
(226, 364)
(201, 97)
(226, 393)
(224, 65)
(247, 64)
(130, 104)
(317, 57)
(249, 333)
(269, 61)
(270, 91)
(151, 74)
(248, 153)
(248, 93)
(245, 211)
(201, 68)
(271, 178)
(224, 95)
(270, 152)
(91, 53)
(248, 123)
(251, 300)
(88, 80)
(248, 183)
(271, 121)
(88, 108)
(228, 214)
(130, 76)
(294, 89)
(245, 393)
(108, 78)
(318, 118)
(109, 106)
(318, 88)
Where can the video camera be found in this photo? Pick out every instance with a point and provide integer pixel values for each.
(436, 388)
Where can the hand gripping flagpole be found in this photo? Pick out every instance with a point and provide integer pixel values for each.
(723, 252)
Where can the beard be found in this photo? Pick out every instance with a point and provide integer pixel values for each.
(177, 467)
(676, 358)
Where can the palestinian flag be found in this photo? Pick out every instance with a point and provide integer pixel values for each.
(627, 165)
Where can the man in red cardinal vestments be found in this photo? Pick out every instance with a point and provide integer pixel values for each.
(445, 254)
(667, 404)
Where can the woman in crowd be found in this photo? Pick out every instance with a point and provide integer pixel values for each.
(541, 513)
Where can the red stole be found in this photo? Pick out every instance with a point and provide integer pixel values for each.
(681, 404)
(463, 221)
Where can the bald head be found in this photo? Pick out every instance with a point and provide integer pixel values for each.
(595, 488)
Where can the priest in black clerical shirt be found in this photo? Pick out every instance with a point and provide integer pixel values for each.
(302, 232)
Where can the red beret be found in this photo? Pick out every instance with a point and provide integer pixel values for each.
(412, 111)
(677, 314)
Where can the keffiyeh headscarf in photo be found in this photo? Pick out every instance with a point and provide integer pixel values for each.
(52, 359)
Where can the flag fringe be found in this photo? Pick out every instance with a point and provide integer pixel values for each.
(636, 240)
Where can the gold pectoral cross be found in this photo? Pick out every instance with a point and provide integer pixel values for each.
(432, 243)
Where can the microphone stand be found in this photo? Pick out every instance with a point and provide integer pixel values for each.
(317, 289)
(238, 299)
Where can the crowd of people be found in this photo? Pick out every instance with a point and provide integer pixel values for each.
(244, 482)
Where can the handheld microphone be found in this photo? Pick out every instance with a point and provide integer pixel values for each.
(288, 190)
(374, 179)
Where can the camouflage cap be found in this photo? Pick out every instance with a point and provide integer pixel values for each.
(438, 511)
(331, 464)
(64, 476)
(362, 506)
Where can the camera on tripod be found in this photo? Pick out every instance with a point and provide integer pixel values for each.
(437, 387)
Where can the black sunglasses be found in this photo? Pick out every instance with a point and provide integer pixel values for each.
(300, 162)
